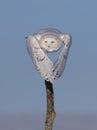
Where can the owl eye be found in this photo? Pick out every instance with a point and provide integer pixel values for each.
(52, 41)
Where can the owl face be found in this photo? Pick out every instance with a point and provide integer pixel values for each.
(50, 43)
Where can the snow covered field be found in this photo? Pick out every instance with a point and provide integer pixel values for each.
(36, 122)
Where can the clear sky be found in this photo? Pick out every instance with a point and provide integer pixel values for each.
(21, 87)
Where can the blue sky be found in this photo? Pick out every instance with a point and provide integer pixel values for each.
(21, 87)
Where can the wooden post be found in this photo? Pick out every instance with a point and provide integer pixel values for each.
(50, 115)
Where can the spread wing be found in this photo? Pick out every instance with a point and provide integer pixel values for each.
(41, 61)
(60, 63)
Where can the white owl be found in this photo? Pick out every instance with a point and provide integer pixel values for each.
(48, 40)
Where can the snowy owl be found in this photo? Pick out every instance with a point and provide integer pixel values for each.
(48, 40)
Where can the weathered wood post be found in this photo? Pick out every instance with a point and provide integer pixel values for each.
(50, 114)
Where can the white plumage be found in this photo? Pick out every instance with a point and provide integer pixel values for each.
(48, 40)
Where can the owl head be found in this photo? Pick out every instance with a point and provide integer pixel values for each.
(50, 43)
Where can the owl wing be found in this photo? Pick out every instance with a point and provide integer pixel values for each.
(41, 61)
(60, 63)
